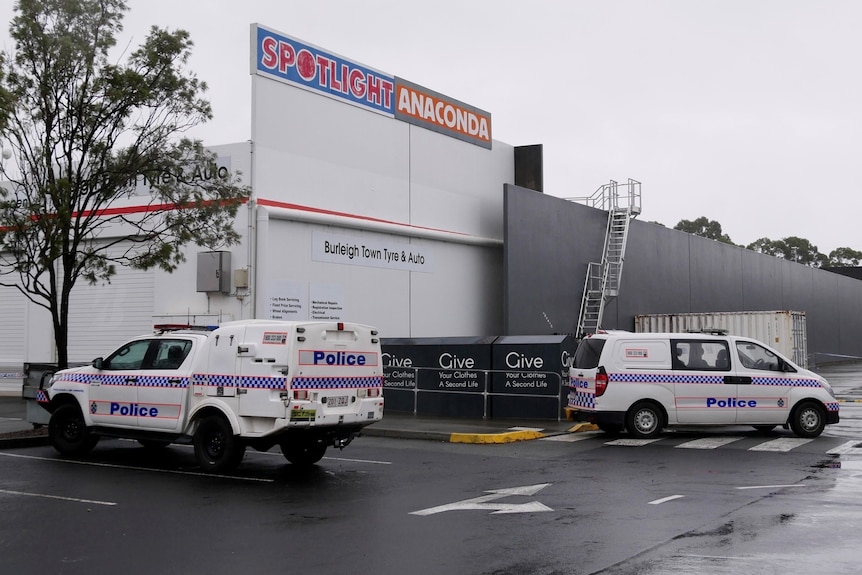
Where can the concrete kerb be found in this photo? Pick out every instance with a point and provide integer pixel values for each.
(37, 438)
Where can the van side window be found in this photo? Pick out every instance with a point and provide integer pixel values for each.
(700, 355)
(753, 356)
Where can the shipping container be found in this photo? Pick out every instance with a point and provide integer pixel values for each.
(785, 331)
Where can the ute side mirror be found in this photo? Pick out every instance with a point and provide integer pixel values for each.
(97, 363)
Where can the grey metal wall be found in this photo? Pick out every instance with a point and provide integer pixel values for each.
(549, 242)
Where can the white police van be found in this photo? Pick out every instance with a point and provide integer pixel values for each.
(644, 382)
(304, 386)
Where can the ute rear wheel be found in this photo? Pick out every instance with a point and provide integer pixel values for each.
(645, 420)
(68, 432)
(303, 453)
(217, 449)
(808, 419)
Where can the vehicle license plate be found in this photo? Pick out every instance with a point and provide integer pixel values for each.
(337, 401)
(302, 414)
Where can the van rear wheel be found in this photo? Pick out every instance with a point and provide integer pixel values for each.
(645, 420)
(808, 419)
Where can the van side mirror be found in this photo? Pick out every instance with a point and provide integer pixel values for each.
(97, 363)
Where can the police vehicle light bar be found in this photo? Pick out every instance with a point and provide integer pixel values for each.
(163, 327)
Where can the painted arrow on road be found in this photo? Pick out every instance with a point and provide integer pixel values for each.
(484, 502)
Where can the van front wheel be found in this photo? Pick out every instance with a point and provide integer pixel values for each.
(645, 420)
(808, 419)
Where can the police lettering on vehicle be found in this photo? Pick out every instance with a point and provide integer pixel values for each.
(730, 402)
(337, 358)
(133, 409)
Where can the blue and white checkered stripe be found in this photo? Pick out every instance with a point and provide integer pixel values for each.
(246, 382)
(260, 382)
(336, 382)
(663, 378)
(131, 379)
(709, 379)
(832, 406)
(582, 399)
(785, 382)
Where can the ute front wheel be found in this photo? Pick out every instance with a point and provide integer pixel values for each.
(68, 433)
(217, 449)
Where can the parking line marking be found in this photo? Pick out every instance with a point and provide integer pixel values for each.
(72, 499)
(707, 442)
(569, 437)
(632, 442)
(783, 444)
(845, 448)
(371, 461)
(133, 468)
(665, 499)
(770, 486)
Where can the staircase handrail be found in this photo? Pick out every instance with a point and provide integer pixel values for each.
(607, 197)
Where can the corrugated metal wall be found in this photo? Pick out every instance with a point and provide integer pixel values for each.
(549, 242)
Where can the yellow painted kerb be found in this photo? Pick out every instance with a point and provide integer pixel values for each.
(507, 437)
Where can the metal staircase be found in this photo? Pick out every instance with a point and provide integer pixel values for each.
(603, 278)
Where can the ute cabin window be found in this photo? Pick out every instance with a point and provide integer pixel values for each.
(697, 355)
(170, 353)
(130, 356)
(753, 356)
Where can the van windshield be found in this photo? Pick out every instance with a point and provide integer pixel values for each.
(588, 353)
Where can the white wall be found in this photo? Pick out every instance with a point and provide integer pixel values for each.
(322, 164)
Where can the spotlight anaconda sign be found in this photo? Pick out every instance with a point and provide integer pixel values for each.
(292, 61)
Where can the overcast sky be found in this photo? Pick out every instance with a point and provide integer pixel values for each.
(747, 112)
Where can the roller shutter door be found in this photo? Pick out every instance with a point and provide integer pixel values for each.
(13, 311)
(103, 316)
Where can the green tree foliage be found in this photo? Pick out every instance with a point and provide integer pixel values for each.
(794, 249)
(704, 227)
(83, 132)
(845, 257)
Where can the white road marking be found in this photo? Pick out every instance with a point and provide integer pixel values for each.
(708, 442)
(44, 496)
(484, 502)
(783, 444)
(851, 447)
(371, 461)
(632, 442)
(770, 486)
(133, 468)
(665, 499)
(527, 429)
(569, 437)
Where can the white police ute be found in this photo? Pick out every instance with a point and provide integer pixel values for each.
(644, 382)
(304, 386)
